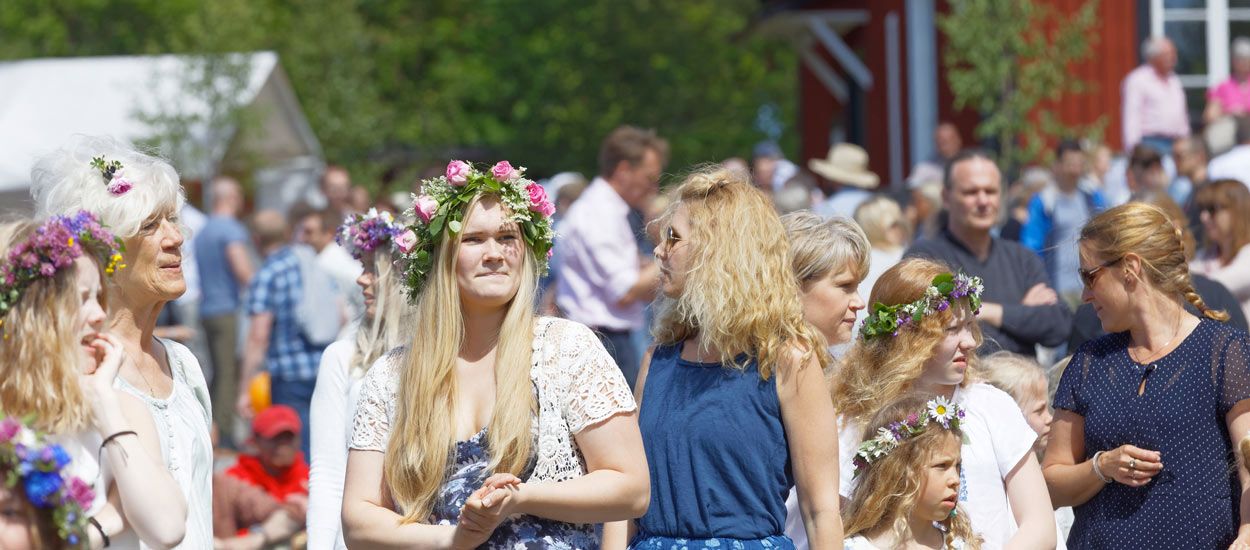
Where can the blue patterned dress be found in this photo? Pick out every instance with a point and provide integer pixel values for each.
(520, 532)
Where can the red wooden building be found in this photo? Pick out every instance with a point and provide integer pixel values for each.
(871, 69)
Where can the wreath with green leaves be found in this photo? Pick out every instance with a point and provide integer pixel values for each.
(886, 320)
(441, 207)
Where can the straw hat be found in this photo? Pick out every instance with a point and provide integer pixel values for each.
(847, 163)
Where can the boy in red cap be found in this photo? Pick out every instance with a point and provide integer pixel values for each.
(278, 466)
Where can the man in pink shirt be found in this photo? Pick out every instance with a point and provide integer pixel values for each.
(602, 282)
(1155, 113)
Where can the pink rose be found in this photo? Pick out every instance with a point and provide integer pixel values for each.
(539, 201)
(119, 186)
(406, 241)
(9, 429)
(426, 206)
(81, 492)
(458, 172)
(503, 171)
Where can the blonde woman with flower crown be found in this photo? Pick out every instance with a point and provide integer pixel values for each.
(735, 409)
(921, 336)
(494, 427)
(372, 239)
(58, 365)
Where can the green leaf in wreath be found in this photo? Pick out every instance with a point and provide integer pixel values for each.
(453, 226)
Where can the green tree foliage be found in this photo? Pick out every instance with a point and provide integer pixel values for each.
(395, 85)
(1004, 59)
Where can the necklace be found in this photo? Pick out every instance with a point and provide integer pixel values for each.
(1163, 349)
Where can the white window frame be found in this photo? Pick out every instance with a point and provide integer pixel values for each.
(1216, 15)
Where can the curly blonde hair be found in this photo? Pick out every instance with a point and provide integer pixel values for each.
(741, 295)
(883, 369)
(39, 361)
(888, 490)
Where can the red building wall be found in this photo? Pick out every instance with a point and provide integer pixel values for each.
(1114, 54)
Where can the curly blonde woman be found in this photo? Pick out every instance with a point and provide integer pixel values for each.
(933, 352)
(734, 363)
(487, 387)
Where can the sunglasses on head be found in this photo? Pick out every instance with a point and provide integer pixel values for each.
(1089, 275)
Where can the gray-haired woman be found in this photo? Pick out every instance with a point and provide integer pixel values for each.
(138, 197)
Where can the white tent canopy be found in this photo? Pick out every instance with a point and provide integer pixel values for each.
(45, 101)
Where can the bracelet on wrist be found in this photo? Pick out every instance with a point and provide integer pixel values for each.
(95, 523)
(1097, 470)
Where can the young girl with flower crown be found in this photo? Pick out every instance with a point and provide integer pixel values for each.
(907, 470)
(920, 336)
(58, 365)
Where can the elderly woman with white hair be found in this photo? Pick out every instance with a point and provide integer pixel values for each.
(1232, 97)
(138, 197)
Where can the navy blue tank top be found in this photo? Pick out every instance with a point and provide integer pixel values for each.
(716, 448)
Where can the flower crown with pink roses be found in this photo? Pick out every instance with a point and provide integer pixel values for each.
(442, 206)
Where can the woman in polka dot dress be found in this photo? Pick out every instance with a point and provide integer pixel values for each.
(1141, 443)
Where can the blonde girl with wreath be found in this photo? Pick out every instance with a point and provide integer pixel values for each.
(494, 427)
(907, 495)
(735, 408)
(371, 240)
(58, 365)
(921, 336)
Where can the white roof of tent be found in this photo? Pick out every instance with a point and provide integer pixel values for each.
(45, 101)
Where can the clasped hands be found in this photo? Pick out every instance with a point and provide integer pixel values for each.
(497, 499)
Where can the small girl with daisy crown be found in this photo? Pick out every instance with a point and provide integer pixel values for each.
(908, 480)
(920, 336)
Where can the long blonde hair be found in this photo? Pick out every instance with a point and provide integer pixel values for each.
(741, 294)
(1146, 231)
(39, 358)
(882, 369)
(420, 448)
(383, 331)
(889, 488)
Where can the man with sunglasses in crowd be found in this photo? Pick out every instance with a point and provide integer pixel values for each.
(1020, 308)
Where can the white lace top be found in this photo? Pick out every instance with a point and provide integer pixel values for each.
(578, 385)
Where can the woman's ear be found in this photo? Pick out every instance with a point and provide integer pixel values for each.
(1132, 269)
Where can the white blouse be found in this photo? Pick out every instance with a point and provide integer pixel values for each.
(183, 423)
(578, 385)
(331, 412)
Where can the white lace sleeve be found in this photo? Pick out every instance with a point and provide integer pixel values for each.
(376, 408)
(598, 390)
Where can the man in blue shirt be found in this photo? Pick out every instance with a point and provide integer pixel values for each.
(225, 267)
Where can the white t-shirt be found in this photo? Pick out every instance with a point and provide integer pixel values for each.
(998, 438)
(331, 412)
(848, 441)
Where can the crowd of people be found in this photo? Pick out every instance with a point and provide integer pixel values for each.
(764, 356)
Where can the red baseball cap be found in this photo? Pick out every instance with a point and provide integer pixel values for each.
(275, 420)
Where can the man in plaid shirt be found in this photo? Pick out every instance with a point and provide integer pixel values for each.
(274, 339)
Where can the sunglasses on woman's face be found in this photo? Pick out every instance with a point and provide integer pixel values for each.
(1211, 209)
(1088, 276)
(671, 238)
